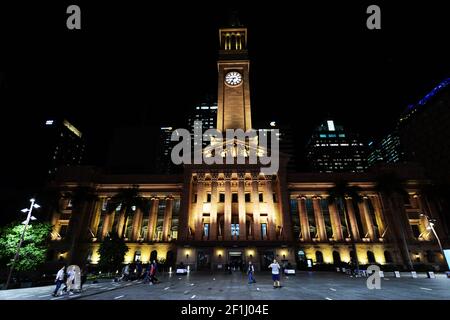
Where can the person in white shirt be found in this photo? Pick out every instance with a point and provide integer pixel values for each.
(70, 280)
(275, 274)
(59, 280)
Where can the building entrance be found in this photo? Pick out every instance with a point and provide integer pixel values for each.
(235, 260)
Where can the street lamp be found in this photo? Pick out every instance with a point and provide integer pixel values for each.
(26, 222)
(430, 226)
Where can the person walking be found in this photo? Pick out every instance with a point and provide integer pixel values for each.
(250, 272)
(153, 270)
(59, 280)
(275, 274)
(147, 273)
(70, 283)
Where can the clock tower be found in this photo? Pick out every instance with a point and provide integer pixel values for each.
(234, 88)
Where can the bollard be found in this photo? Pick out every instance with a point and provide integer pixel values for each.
(431, 275)
(397, 274)
(381, 274)
(414, 274)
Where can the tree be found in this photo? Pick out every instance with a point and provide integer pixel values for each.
(337, 194)
(112, 253)
(34, 247)
(127, 199)
(392, 190)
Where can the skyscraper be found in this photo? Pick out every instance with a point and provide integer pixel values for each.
(388, 150)
(424, 132)
(206, 112)
(333, 149)
(63, 145)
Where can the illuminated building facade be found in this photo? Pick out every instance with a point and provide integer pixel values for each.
(211, 216)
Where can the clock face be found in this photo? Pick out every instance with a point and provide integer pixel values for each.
(233, 78)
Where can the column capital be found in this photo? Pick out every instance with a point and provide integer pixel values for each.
(241, 176)
(255, 175)
(269, 177)
(214, 176)
(301, 197)
(201, 176)
(228, 175)
(317, 197)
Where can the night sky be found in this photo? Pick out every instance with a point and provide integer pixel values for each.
(139, 64)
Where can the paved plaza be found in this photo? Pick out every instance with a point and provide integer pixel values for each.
(209, 286)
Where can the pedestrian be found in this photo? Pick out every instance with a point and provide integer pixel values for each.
(59, 280)
(70, 283)
(153, 270)
(125, 273)
(250, 272)
(275, 273)
(147, 273)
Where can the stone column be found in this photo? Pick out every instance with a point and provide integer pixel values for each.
(303, 216)
(152, 219)
(107, 224)
(93, 226)
(379, 215)
(213, 212)
(322, 232)
(241, 206)
(368, 219)
(256, 209)
(335, 222)
(352, 218)
(121, 222)
(268, 195)
(227, 208)
(185, 207)
(137, 222)
(167, 218)
(199, 207)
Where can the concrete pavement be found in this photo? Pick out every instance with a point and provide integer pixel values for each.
(210, 286)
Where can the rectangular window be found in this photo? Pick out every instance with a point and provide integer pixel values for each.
(175, 219)
(326, 217)
(105, 204)
(221, 197)
(206, 230)
(275, 197)
(248, 197)
(234, 197)
(261, 198)
(208, 197)
(416, 230)
(63, 231)
(295, 219)
(311, 218)
(235, 229)
(160, 219)
(264, 230)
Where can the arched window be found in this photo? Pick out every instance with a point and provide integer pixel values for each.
(431, 257)
(371, 257)
(301, 256)
(388, 257)
(319, 257)
(336, 257)
(153, 255)
(170, 258)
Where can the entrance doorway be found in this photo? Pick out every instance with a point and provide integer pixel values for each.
(267, 259)
(235, 260)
